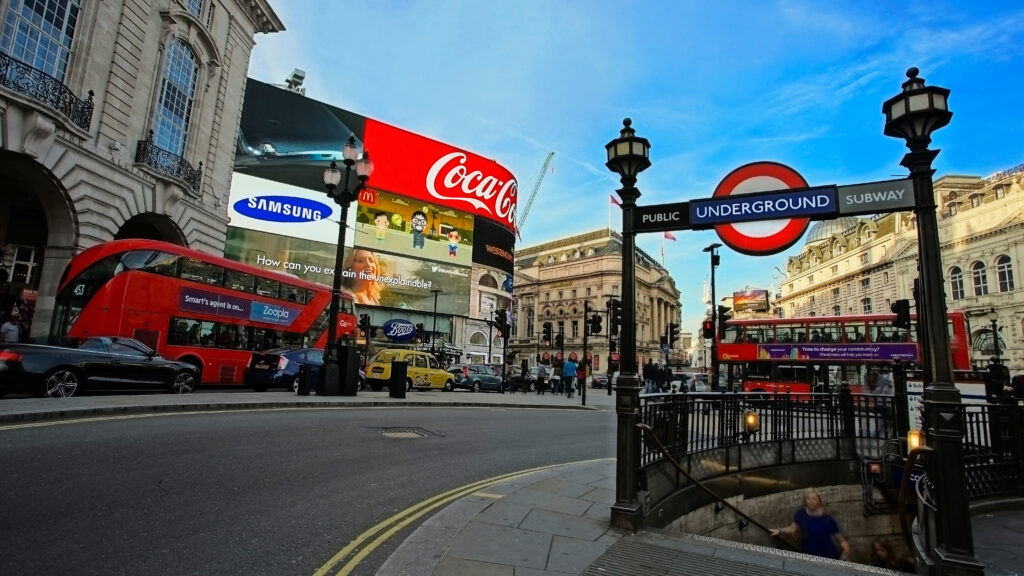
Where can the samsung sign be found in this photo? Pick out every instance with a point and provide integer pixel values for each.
(282, 209)
(399, 330)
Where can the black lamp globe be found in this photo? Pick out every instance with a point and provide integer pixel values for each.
(628, 155)
(916, 112)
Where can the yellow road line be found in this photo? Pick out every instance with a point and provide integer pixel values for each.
(352, 554)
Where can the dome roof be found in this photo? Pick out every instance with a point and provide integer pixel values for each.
(824, 229)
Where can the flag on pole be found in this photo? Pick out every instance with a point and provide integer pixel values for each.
(615, 201)
(669, 236)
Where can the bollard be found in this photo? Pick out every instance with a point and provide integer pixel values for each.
(303, 389)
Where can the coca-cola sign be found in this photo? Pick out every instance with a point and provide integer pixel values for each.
(418, 167)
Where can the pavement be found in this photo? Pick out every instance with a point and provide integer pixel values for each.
(551, 522)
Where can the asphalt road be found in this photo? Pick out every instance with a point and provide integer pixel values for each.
(263, 492)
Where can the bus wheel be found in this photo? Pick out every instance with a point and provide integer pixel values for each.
(60, 383)
(448, 385)
(184, 383)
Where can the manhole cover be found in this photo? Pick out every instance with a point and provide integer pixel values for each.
(403, 432)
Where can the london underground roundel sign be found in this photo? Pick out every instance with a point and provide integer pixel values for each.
(763, 237)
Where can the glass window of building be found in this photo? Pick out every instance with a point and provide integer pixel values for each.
(1000, 192)
(529, 323)
(865, 284)
(195, 7)
(39, 33)
(575, 327)
(177, 90)
(975, 201)
(956, 283)
(952, 210)
(1004, 270)
(865, 305)
(835, 293)
(978, 273)
(837, 310)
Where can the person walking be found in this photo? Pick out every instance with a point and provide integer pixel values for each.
(9, 330)
(818, 531)
(542, 378)
(648, 374)
(883, 392)
(568, 376)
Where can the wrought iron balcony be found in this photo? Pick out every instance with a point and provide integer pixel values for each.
(46, 90)
(168, 163)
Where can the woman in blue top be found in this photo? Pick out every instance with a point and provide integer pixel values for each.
(819, 531)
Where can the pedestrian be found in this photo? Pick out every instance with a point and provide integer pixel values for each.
(542, 378)
(1017, 386)
(648, 374)
(581, 375)
(568, 376)
(9, 330)
(882, 556)
(818, 530)
(883, 392)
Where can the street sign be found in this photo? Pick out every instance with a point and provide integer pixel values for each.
(774, 205)
(661, 217)
(876, 197)
(761, 237)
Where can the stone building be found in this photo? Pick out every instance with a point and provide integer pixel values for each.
(118, 118)
(554, 279)
(861, 265)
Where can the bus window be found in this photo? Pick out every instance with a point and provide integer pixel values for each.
(268, 287)
(787, 332)
(239, 281)
(732, 333)
(202, 272)
(830, 333)
(227, 336)
(854, 332)
(207, 333)
(293, 293)
(263, 339)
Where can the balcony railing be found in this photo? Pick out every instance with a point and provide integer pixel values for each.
(168, 163)
(46, 90)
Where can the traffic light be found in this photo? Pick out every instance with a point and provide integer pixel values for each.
(673, 335)
(664, 342)
(547, 332)
(364, 322)
(723, 315)
(559, 340)
(901, 308)
(615, 320)
(612, 346)
(707, 329)
(419, 331)
(501, 319)
(595, 324)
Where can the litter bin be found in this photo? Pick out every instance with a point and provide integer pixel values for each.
(396, 385)
(305, 380)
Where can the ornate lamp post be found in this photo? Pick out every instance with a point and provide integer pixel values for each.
(628, 155)
(715, 259)
(992, 318)
(331, 371)
(913, 115)
(433, 336)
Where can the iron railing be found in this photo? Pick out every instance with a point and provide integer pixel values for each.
(45, 89)
(168, 163)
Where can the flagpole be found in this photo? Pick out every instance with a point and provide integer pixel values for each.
(609, 215)
(663, 251)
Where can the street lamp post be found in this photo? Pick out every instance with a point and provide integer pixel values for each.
(433, 337)
(992, 318)
(715, 259)
(628, 155)
(331, 371)
(913, 115)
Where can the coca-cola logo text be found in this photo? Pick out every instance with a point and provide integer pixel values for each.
(450, 175)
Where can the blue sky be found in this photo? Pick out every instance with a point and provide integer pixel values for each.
(712, 85)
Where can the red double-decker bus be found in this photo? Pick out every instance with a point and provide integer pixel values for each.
(817, 353)
(191, 306)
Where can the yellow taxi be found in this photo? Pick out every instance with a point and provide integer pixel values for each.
(422, 370)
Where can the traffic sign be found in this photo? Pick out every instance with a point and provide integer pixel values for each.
(876, 197)
(661, 217)
(763, 237)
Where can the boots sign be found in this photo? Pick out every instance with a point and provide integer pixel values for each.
(763, 208)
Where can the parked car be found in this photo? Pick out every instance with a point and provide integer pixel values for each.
(515, 378)
(422, 370)
(99, 363)
(599, 380)
(280, 368)
(475, 377)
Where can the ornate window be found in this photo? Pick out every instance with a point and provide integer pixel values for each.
(177, 91)
(956, 283)
(39, 33)
(1004, 271)
(195, 7)
(865, 305)
(837, 310)
(980, 279)
(529, 323)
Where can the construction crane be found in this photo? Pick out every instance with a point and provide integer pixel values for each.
(521, 219)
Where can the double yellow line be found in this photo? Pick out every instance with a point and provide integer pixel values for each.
(363, 545)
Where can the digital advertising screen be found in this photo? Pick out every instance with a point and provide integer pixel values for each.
(430, 216)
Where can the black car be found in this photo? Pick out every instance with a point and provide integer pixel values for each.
(516, 379)
(280, 368)
(100, 363)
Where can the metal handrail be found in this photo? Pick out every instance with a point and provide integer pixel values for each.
(661, 447)
(40, 86)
